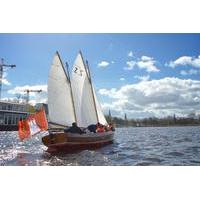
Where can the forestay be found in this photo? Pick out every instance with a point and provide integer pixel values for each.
(60, 103)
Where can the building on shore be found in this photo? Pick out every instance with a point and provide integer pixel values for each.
(10, 114)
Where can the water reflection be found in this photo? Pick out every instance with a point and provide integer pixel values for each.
(21, 159)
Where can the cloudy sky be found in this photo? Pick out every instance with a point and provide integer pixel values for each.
(141, 75)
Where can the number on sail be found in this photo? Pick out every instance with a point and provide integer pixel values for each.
(78, 71)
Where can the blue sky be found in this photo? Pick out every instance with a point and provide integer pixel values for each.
(121, 64)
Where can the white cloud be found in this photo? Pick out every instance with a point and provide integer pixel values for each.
(11, 99)
(112, 62)
(107, 92)
(131, 64)
(4, 80)
(189, 72)
(148, 64)
(130, 54)
(21, 89)
(185, 61)
(146, 58)
(34, 96)
(103, 64)
(145, 62)
(142, 78)
(159, 98)
(122, 79)
(38, 100)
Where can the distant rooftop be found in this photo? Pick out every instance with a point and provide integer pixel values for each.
(12, 102)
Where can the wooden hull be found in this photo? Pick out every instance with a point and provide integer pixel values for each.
(68, 142)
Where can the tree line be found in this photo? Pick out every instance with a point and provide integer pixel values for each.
(154, 121)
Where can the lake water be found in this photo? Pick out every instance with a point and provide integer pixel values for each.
(140, 146)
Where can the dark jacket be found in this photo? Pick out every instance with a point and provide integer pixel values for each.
(74, 129)
(92, 128)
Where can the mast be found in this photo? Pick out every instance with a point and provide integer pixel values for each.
(89, 77)
(67, 67)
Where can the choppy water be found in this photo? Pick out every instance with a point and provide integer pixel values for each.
(132, 146)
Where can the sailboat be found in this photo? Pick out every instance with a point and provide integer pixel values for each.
(73, 100)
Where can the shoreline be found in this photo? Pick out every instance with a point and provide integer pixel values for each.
(158, 126)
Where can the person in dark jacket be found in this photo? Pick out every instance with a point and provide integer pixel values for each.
(74, 129)
(92, 128)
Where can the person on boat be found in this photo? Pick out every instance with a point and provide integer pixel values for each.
(92, 128)
(98, 125)
(110, 127)
(100, 129)
(74, 129)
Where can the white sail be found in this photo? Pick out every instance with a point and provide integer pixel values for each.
(100, 114)
(60, 102)
(84, 99)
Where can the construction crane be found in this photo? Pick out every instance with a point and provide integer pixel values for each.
(28, 92)
(2, 65)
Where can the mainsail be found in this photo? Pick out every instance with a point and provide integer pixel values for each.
(60, 102)
(87, 107)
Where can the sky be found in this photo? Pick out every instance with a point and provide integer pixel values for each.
(142, 75)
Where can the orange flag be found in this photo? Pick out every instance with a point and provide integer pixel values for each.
(41, 120)
(34, 123)
(23, 129)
